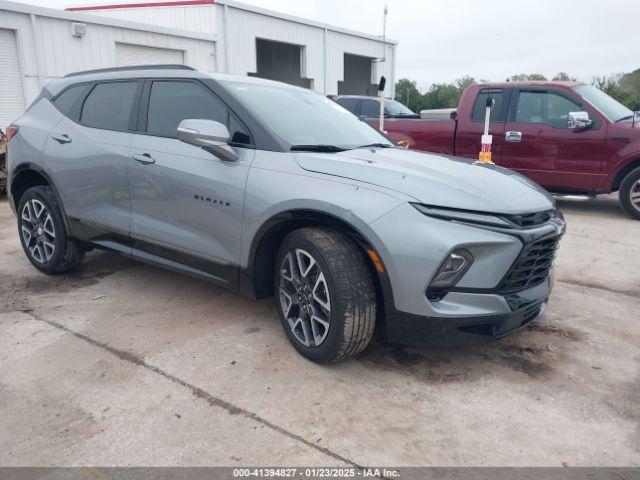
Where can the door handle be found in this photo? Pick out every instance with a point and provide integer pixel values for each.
(61, 138)
(514, 137)
(144, 159)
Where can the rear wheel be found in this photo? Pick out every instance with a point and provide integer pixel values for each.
(630, 194)
(325, 294)
(43, 234)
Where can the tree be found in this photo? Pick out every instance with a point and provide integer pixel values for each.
(624, 88)
(408, 94)
(442, 95)
(563, 77)
(530, 77)
(464, 82)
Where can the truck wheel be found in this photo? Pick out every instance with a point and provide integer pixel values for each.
(325, 294)
(630, 194)
(43, 234)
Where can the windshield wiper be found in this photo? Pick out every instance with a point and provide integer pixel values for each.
(317, 148)
(378, 145)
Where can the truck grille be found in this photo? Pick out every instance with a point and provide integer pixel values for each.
(532, 266)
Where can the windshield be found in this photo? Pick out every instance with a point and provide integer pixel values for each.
(305, 118)
(613, 109)
(396, 108)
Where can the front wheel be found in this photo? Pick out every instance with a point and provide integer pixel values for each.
(325, 294)
(630, 194)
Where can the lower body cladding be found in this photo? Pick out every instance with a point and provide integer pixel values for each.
(505, 285)
(410, 329)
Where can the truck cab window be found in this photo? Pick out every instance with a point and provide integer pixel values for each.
(479, 107)
(544, 107)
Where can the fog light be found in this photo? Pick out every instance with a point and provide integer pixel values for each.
(452, 270)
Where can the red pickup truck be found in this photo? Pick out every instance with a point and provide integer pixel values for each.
(570, 138)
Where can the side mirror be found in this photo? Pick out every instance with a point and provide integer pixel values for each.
(212, 136)
(579, 121)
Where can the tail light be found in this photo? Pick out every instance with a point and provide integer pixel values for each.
(11, 131)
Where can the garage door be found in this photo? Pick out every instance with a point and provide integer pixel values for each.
(11, 96)
(279, 61)
(130, 55)
(357, 76)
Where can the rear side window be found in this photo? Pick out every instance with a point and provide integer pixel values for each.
(109, 105)
(172, 102)
(350, 104)
(68, 99)
(497, 114)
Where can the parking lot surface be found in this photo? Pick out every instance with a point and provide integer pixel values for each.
(122, 364)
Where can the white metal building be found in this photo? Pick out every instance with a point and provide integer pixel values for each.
(40, 44)
(255, 41)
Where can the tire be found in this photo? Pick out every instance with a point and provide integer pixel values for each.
(629, 194)
(331, 272)
(43, 234)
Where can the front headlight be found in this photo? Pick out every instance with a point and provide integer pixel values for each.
(500, 220)
(466, 216)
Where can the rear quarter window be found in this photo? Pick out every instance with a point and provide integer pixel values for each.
(69, 98)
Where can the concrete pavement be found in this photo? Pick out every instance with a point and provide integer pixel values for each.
(124, 364)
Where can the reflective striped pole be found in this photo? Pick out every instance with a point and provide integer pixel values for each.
(381, 85)
(487, 140)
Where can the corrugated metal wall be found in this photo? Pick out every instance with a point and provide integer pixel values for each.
(194, 18)
(339, 44)
(243, 26)
(50, 51)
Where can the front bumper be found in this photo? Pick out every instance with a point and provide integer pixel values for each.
(410, 329)
(413, 246)
(487, 302)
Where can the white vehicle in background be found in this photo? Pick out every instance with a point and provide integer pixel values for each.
(437, 114)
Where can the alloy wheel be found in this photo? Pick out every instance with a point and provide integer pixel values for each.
(38, 231)
(304, 297)
(635, 195)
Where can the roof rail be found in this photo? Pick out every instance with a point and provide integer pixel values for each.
(136, 67)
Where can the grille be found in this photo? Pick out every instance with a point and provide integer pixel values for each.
(531, 219)
(532, 267)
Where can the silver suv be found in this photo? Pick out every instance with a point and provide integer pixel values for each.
(268, 189)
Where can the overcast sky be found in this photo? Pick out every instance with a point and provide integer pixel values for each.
(441, 40)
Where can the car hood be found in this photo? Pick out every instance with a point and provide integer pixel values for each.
(628, 126)
(434, 179)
